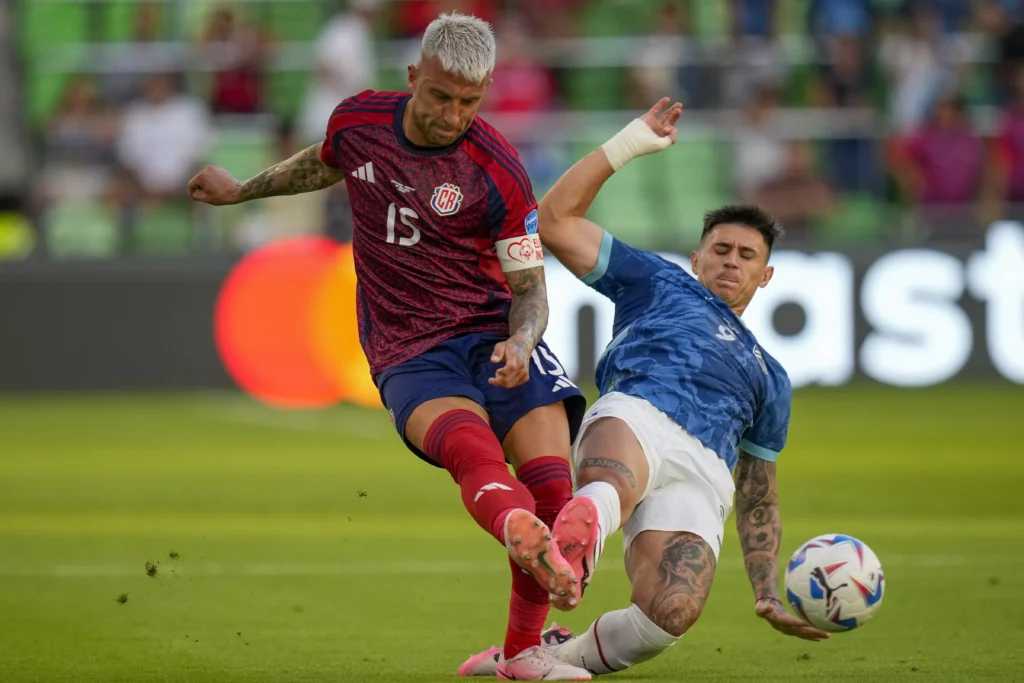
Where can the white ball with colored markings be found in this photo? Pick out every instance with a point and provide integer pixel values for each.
(835, 582)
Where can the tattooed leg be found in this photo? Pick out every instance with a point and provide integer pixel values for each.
(671, 574)
(610, 453)
(611, 475)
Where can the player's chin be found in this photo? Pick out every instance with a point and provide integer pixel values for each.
(726, 289)
(444, 137)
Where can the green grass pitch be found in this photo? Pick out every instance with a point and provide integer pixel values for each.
(311, 547)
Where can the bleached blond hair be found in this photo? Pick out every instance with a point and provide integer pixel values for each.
(463, 44)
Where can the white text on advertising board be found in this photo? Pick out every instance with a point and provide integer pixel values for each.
(919, 334)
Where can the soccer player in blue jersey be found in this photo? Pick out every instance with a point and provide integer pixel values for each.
(692, 412)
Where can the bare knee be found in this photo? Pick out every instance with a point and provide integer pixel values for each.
(672, 575)
(590, 470)
(610, 453)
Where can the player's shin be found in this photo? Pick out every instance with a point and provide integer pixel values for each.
(616, 641)
(462, 442)
(527, 611)
(549, 481)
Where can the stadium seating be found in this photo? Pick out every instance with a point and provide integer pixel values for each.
(654, 204)
(246, 150)
(81, 229)
(164, 229)
(858, 218)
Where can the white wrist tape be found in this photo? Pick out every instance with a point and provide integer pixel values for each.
(635, 140)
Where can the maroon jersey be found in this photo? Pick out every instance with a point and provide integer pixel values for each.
(435, 228)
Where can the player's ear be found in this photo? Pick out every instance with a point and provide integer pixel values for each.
(694, 260)
(767, 276)
(413, 73)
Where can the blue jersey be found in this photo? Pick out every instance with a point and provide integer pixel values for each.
(680, 348)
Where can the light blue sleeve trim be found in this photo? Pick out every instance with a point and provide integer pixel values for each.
(759, 452)
(603, 257)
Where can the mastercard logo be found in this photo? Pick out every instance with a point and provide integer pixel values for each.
(285, 326)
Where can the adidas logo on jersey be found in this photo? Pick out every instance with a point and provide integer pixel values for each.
(365, 172)
(760, 359)
(562, 383)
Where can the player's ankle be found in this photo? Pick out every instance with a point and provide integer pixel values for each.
(499, 528)
(525, 623)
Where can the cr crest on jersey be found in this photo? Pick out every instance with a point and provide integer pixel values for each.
(447, 199)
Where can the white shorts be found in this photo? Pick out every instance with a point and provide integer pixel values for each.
(690, 487)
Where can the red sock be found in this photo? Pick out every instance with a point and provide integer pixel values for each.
(468, 449)
(550, 482)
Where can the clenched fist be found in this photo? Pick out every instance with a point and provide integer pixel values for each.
(213, 185)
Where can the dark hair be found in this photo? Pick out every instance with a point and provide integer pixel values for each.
(744, 214)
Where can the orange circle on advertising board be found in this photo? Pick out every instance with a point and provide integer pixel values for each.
(335, 334)
(286, 329)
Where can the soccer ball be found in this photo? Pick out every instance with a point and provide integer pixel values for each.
(834, 582)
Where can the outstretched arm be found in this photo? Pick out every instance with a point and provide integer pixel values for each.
(760, 531)
(564, 232)
(304, 172)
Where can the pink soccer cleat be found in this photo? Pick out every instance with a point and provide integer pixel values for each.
(537, 664)
(529, 543)
(486, 663)
(483, 664)
(578, 538)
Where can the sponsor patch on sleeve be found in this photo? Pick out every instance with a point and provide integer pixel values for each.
(519, 253)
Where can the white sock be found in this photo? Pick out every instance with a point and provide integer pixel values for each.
(616, 641)
(606, 498)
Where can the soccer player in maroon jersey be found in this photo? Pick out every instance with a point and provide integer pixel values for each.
(452, 304)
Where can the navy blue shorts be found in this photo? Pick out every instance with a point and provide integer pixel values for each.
(461, 367)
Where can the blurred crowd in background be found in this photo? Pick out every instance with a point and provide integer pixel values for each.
(853, 121)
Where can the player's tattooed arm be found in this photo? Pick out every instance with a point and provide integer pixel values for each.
(528, 317)
(527, 320)
(758, 522)
(760, 532)
(304, 172)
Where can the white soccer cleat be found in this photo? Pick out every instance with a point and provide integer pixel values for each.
(538, 664)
